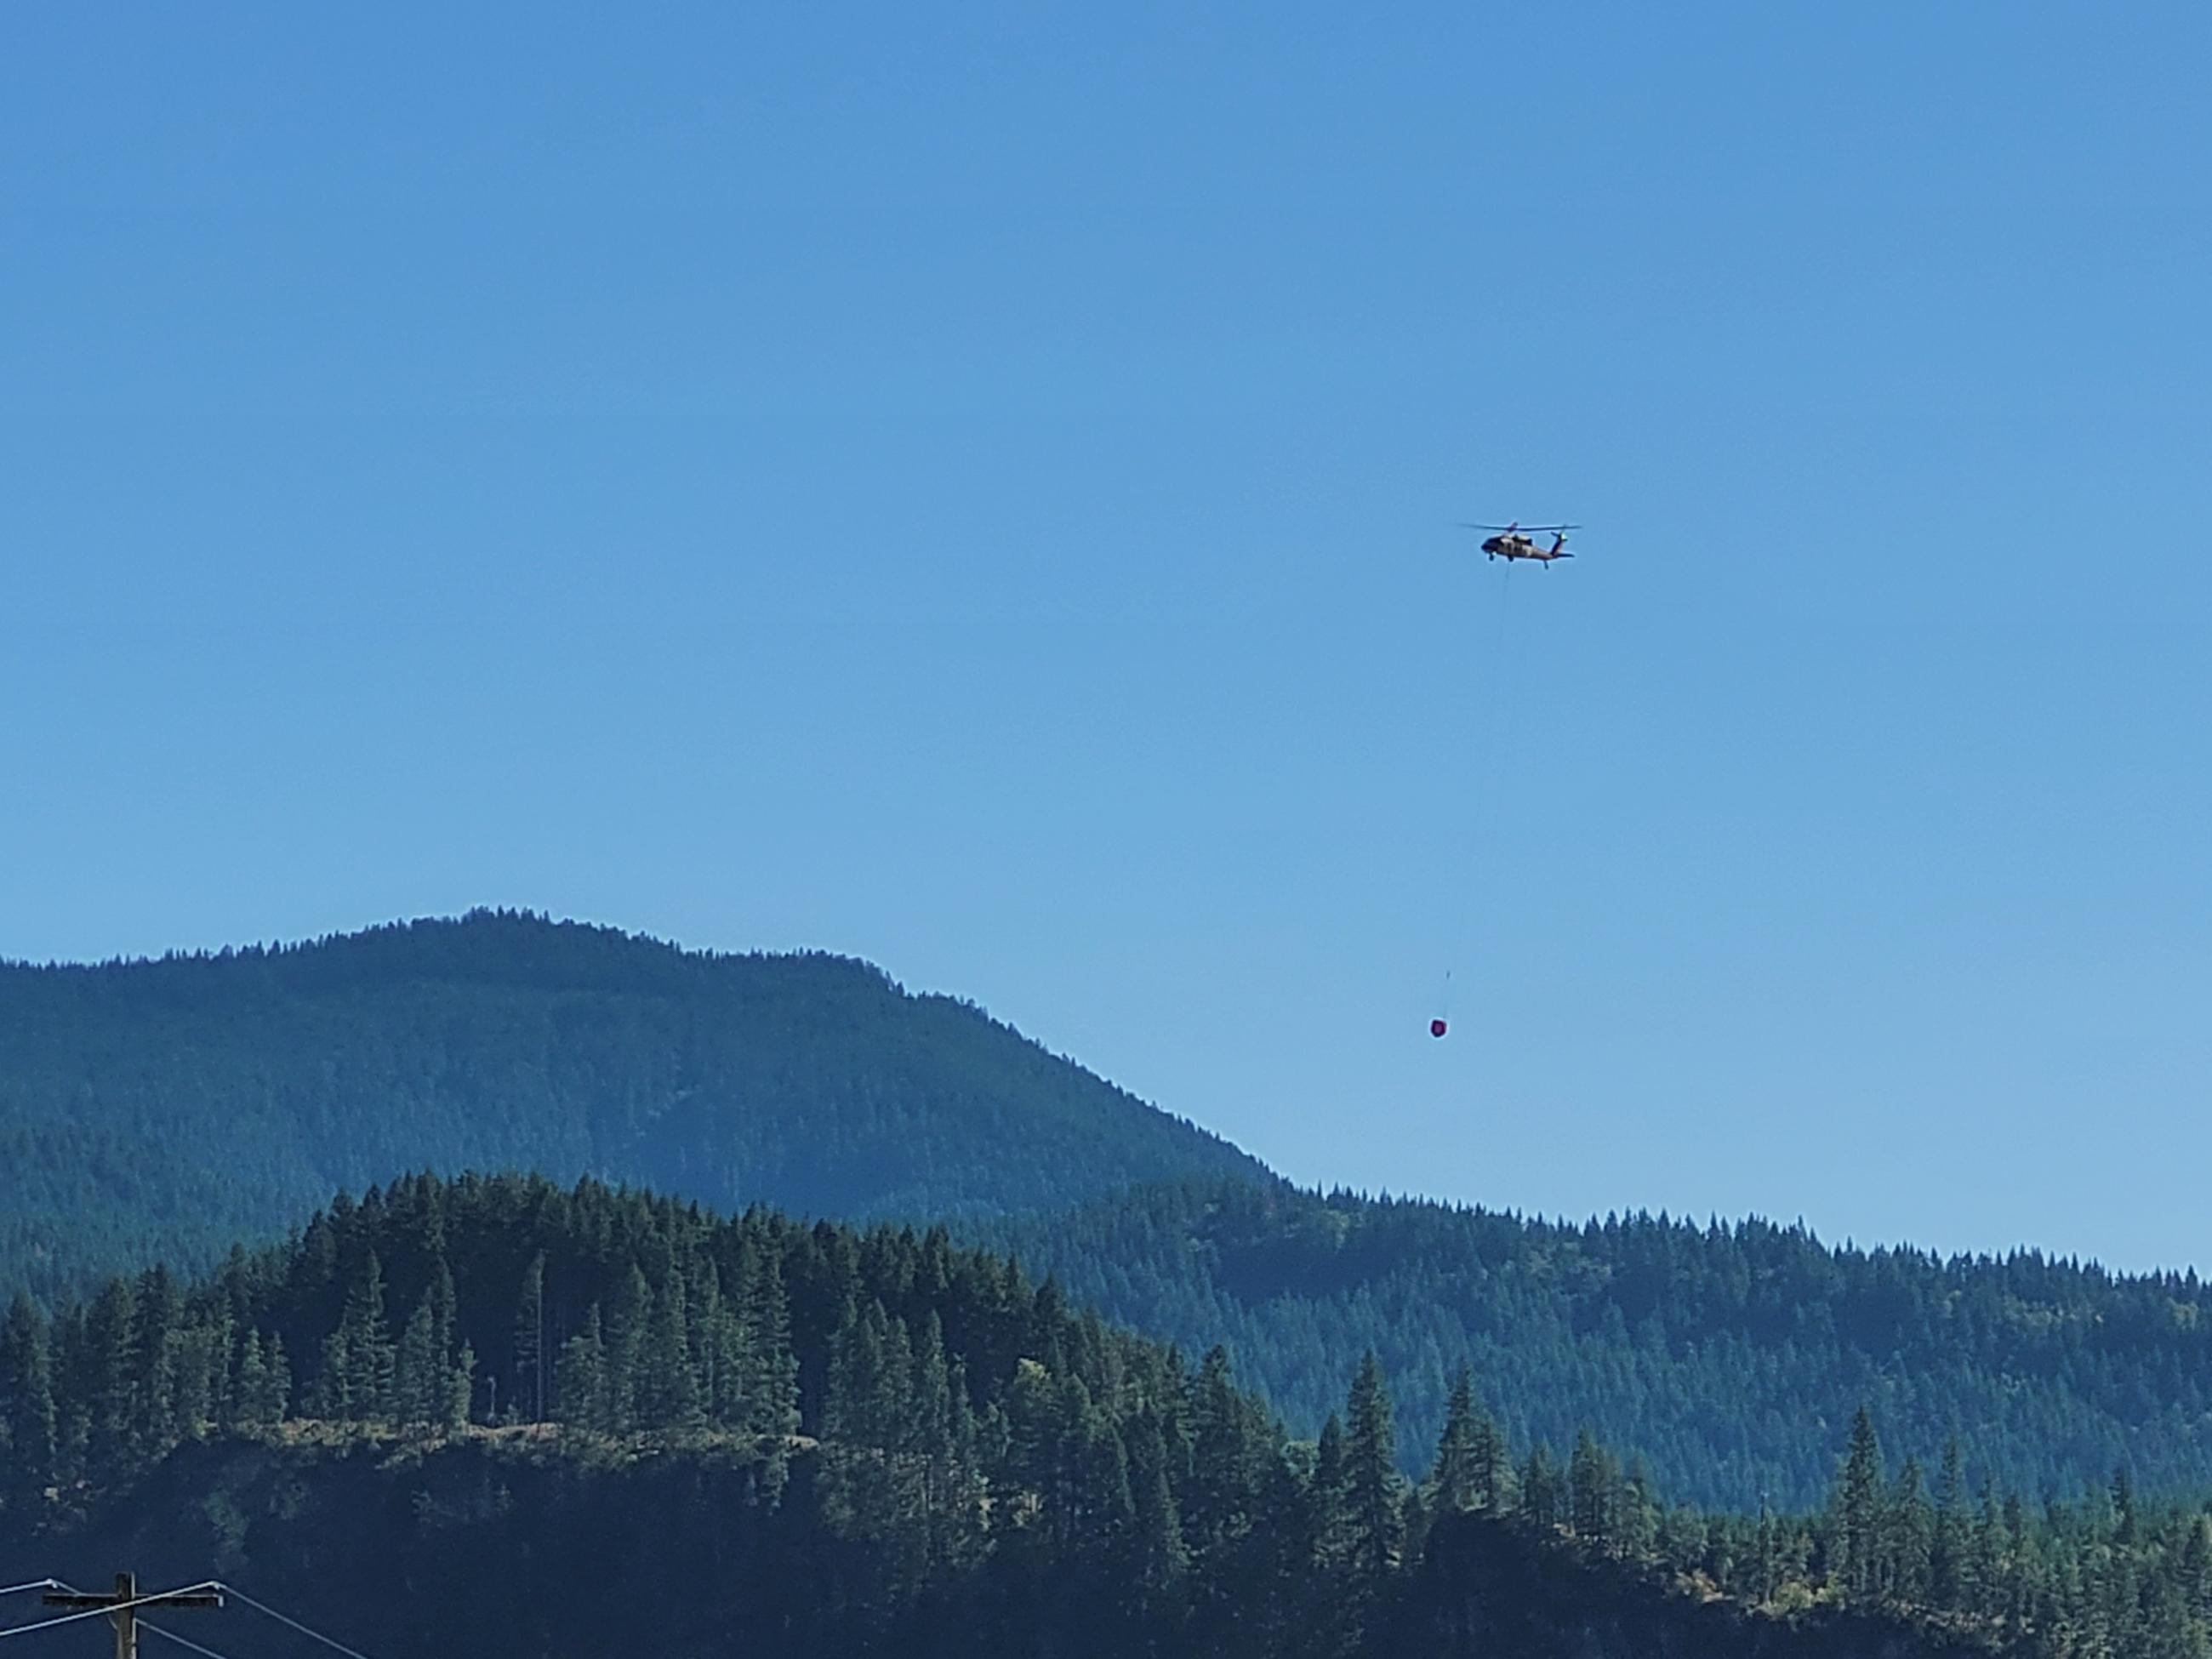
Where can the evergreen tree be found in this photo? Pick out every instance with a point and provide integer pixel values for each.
(200, 1362)
(1415, 1519)
(1033, 1488)
(460, 1391)
(527, 1388)
(2022, 1571)
(771, 1379)
(159, 1309)
(1591, 1478)
(109, 1356)
(726, 1368)
(1636, 1515)
(1100, 1518)
(1682, 1536)
(625, 1350)
(1453, 1481)
(274, 1400)
(444, 1307)
(1329, 1499)
(364, 1351)
(1541, 1496)
(1947, 1551)
(668, 1385)
(854, 1402)
(580, 1392)
(1859, 1506)
(1910, 1537)
(1492, 1466)
(2193, 1566)
(927, 1429)
(27, 1399)
(330, 1395)
(252, 1388)
(1372, 1483)
(1223, 1453)
(418, 1386)
(1985, 1566)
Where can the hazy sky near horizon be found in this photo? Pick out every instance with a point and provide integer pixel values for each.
(973, 487)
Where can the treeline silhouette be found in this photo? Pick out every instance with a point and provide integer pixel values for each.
(886, 1439)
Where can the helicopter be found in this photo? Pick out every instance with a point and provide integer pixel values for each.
(1513, 542)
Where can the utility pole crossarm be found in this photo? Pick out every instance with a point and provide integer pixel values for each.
(180, 1599)
(126, 1601)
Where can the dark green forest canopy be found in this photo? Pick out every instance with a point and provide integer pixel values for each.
(850, 1442)
(165, 1108)
(1729, 1355)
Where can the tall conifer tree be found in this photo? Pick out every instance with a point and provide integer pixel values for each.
(581, 1393)
(1372, 1470)
(1453, 1480)
(1911, 1535)
(1591, 1477)
(529, 1382)
(1947, 1544)
(1859, 1506)
(28, 1396)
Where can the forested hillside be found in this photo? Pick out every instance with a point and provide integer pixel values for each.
(1730, 1355)
(167, 1108)
(160, 1109)
(500, 1417)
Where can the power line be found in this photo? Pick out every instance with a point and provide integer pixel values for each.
(286, 1618)
(114, 1607)
(181, 1641)
(111, 1608)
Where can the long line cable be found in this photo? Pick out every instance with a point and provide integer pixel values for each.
(1496, 692)
(36, 1583)
(286, 1618)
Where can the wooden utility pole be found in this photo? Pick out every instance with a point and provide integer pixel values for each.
(126, 1601)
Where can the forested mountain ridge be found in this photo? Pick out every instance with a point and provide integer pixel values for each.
(1730, 1355)
(164, 1108)
(806, 1439)
(158, 1110)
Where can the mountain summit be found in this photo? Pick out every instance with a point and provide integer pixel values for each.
(165, 1108)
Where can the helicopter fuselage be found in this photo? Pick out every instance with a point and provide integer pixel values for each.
(1521, 547)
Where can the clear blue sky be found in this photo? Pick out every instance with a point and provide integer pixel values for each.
(973, 487)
